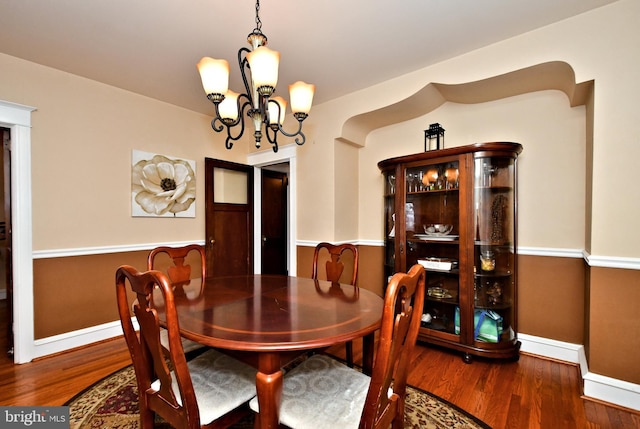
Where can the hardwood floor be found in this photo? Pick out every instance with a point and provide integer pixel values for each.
(531, 393)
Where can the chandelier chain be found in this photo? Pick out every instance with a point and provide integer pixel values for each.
(258, 28)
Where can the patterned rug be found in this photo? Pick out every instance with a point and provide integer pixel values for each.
(113, 403)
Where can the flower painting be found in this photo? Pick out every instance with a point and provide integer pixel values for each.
(162, 186)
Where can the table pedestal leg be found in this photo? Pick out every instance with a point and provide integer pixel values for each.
(269, 390)
(367, 353)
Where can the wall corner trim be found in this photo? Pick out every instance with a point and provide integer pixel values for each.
(612, 390)
(595, 386)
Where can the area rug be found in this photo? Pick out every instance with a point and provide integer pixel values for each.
(113, 403)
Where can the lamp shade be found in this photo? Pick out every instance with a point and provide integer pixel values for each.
(264, 64)
(274, 112)
(228, 108)
(214, 74)
(301, 96)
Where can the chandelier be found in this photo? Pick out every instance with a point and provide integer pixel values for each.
(261, 64)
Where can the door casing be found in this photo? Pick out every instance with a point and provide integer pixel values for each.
(285, 154)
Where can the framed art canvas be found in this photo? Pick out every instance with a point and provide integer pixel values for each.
(162, 186)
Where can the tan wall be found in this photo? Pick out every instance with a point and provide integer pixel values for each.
(551, 297)
(551, 291)
(551, 300)
(88, 283)
(77, 292)
(370, 273)
(573, 42)
(614, 321)
(553, 158)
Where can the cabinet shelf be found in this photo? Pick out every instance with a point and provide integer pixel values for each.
(494, 188)
(453, 272)
(451, 301)
(502, 306)
(432, 191)
(491, 274)
(439, 326)
(489, 243)
(432, 241)
(476, 194)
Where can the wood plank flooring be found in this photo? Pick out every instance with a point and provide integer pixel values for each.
(531, 393)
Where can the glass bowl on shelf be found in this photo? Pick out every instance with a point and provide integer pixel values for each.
(438, 229)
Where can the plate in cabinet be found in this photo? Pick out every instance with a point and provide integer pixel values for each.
(436, 237)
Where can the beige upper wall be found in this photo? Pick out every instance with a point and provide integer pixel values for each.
(599, 45)
(551, 168)
(83, 133)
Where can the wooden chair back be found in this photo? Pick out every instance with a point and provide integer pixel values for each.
(334, 266)
(403, 304)
(152, 364)
(176, 266)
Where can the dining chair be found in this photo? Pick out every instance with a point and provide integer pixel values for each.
(212, 390)
(334, 265)
(334, 269)
(174, 265)
(173, 262)
(322, 392)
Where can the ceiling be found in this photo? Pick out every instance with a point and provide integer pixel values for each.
(151, 47)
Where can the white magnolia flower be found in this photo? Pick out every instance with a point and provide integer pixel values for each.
(162, 185)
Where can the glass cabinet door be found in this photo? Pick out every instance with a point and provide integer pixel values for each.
(432, 238)
(494, 250)
(389, 224)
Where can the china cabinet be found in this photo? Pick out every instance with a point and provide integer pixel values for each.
(454, 211)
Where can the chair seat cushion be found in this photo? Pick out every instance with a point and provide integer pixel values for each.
(221, 384)
(322, 393)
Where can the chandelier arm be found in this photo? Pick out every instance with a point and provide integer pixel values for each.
(226, 123)
(272, 138)
(229, 125)
(219, 128)
(297, 133)
(243, 63)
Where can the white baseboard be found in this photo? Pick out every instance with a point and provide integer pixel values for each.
(607, 389)
(612, 390)
(82, 337)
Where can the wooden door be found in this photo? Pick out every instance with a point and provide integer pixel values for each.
(229, 218)
(274, 222)
(5, 235)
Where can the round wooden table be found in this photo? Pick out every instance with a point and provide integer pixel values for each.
(267, 320)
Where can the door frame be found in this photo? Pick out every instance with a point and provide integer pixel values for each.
(278, 172)
(261, 159)
(17, 118)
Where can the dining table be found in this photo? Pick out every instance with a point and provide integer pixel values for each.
(270, 320)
